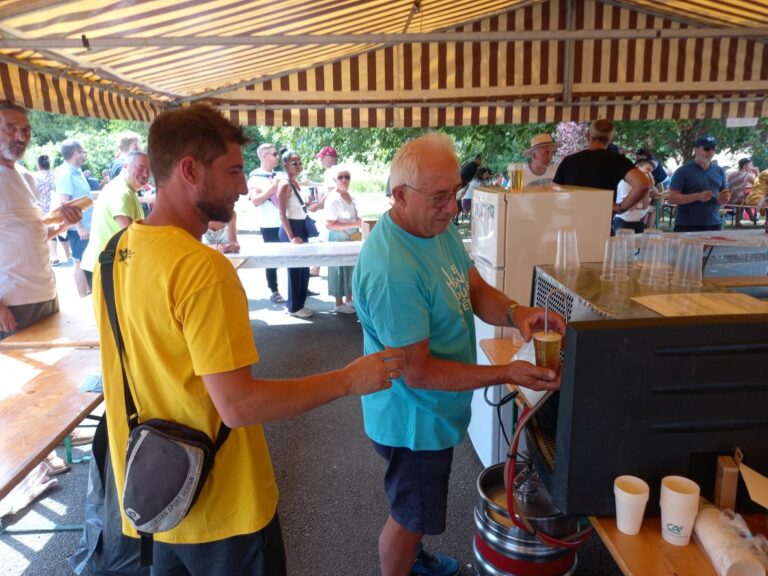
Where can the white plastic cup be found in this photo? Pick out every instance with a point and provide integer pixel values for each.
(655, 270)
(567, 256)
(679, 506)
(688, 265)
(615, 260)
(631, 496)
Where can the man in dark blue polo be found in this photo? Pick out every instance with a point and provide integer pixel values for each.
(699, 188)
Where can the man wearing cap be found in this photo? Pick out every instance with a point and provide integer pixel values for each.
(598, 167)
(540, 171)
(699, 188)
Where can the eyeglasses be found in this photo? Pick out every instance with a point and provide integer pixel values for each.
(440, 199)
(707, 148)
(343, 177)
(295, 162)
(272, 154)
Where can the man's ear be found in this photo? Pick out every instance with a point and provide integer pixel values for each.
(398, 193)
(189, 170)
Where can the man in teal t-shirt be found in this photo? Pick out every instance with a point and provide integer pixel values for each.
(416, 288)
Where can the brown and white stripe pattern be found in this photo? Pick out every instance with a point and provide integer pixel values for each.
(447, 84)
(48, 92)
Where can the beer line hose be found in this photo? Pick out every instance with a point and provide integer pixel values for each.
(513, 505)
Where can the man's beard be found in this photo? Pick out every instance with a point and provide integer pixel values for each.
(214, 208)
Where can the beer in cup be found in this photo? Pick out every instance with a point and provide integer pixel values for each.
(516, 177)
(547, 346)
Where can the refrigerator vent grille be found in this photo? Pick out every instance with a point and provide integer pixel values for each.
(560, 302)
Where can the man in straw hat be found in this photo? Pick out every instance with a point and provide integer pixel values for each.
(540, 171)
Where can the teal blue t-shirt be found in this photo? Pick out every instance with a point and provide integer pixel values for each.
(408, 289)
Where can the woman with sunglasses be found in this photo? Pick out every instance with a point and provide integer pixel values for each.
(294, 230)
(343, 223)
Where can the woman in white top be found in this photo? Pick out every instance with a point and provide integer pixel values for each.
(294, 230)
(634, 217)
(343, 223)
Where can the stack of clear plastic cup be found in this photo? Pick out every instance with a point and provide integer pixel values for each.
(687, 271)
(679, 506)
(645, 237)
(629, 235)
(567, 256)
(615, 260)
(655, 270)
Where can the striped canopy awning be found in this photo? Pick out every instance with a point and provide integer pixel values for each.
(380, 63)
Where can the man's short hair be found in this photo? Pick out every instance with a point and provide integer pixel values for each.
(263, 148)
(199, 131)
(743, 162)
(602, 130)
(131, 157)
(408, 159)
(13, 106)
(126, 139)
(69, 147)
(43, 162)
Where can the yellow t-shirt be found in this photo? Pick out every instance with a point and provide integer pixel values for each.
(183, 313)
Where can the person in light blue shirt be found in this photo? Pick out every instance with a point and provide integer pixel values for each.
(70, 184)
(416, 288)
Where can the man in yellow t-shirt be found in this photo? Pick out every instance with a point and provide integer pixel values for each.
(183, 314)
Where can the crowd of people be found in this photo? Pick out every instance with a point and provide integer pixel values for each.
(700, 192)
(184, 317)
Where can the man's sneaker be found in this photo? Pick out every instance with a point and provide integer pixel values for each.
(277, 298)
(302, 313)
(427, 564)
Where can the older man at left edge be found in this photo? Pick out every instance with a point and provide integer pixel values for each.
(27, 284)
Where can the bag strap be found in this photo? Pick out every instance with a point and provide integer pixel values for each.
(107, 259)
(298, 196)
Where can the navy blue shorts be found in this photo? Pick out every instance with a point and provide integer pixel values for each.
(76, 245)
(416, 483)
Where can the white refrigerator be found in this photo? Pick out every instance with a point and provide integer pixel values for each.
(511, 233)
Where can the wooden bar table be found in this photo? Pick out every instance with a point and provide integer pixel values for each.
(646, 554)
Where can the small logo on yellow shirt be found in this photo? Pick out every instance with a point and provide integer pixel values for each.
(124, 254)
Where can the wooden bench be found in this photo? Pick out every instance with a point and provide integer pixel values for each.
(73, 326)
(40, 404)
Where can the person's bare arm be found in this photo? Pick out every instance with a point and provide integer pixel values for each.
(123, 221)
(640, 186)
(422, 370)
(242, 400)
(260, 195)
(72, 215)
(494, 307)
(7, 320)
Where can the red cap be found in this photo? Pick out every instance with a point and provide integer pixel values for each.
(327, 151)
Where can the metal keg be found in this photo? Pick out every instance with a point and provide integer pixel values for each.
(501, 548)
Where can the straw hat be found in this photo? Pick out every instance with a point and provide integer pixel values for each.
(539, 141)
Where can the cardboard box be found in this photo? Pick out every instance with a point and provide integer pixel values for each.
(366, 227)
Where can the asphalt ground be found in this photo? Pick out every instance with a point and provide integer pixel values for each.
(332, 503)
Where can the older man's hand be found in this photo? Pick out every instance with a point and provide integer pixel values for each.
(530, 320)
(72, 214)
(526, 374)
(7, 321)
